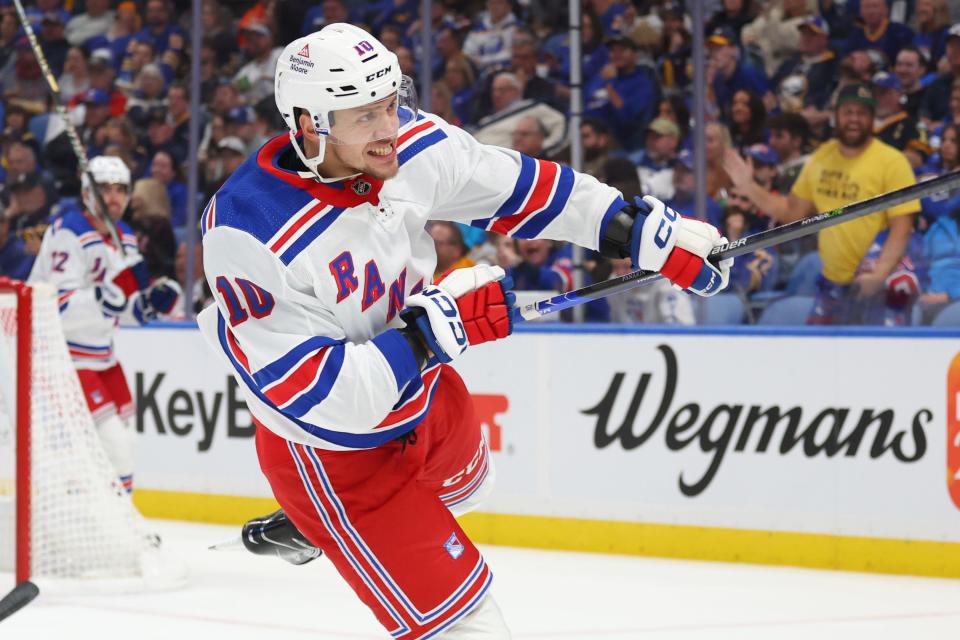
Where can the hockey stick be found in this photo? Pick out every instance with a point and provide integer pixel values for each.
(762, 240)
(75, 142)
(17, 599)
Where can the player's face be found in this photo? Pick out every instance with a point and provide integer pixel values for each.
(365, 138)
(854, 124)
(115, 197)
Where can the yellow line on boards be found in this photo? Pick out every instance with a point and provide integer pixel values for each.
(821, 551)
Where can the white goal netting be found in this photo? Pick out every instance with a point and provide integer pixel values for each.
(83, 525)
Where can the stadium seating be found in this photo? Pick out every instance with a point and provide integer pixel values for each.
(726, 308)
(789, 311)
(948, 317)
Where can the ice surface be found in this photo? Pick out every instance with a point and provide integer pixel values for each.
(568, 596)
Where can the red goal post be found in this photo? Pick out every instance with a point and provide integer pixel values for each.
(20, 321)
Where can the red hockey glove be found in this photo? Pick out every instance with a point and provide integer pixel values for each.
(486, 312)
(485, 302)
(469, 307)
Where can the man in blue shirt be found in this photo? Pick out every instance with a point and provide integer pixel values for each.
(624, 95)
(728, 72)
(878, 32)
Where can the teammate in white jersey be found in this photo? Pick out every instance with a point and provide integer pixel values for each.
(327, 315)
(98, 286)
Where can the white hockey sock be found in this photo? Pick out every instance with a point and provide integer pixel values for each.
(485, 622)
(117, 440)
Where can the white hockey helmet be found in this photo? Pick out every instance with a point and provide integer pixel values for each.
(105, 170)
(340, 67)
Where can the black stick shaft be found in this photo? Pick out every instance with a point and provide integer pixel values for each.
(748, 244)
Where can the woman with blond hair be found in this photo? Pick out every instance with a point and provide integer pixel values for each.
(718, 139)
(149, 199)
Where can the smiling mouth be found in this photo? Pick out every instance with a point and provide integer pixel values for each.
(382, 149)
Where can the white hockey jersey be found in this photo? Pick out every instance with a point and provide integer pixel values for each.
(74, 258)
(310, 277)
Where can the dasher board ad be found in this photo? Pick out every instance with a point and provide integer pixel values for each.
(835, 435)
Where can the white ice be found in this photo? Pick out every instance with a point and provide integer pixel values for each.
(568, 596)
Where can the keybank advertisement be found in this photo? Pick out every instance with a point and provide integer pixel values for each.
(853, 436)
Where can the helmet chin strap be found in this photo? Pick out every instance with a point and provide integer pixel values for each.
(313, 164)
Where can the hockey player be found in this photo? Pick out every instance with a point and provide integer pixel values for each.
(327, 316)
(98, 286)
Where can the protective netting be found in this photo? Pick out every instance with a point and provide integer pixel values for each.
(83, 524)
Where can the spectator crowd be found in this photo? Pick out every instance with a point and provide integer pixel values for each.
(810, 104)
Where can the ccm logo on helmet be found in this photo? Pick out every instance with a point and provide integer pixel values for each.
(379, 74)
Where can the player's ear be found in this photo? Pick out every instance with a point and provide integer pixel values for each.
(306, 124)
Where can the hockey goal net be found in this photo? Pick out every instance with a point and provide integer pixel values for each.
(63, 513)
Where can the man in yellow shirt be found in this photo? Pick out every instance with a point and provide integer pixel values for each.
(851, 167)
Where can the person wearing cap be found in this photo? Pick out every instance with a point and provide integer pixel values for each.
(893, 124)
(732, 17)
(229, 155)
(94, 21)
(814, 63)
(239, 123)
(624, 94)
(655, 162)
(876, 31)
(774, 32)
(910, 69)
(853, 166)
(728, 73)
(101, 76)
(765, 163)
(254, 80)
(936, 103)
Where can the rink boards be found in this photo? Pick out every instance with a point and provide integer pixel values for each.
(830, 449)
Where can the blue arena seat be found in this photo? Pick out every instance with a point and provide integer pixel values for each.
(803, 278)
(949, 317)
(790, 311)
(725, 308)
